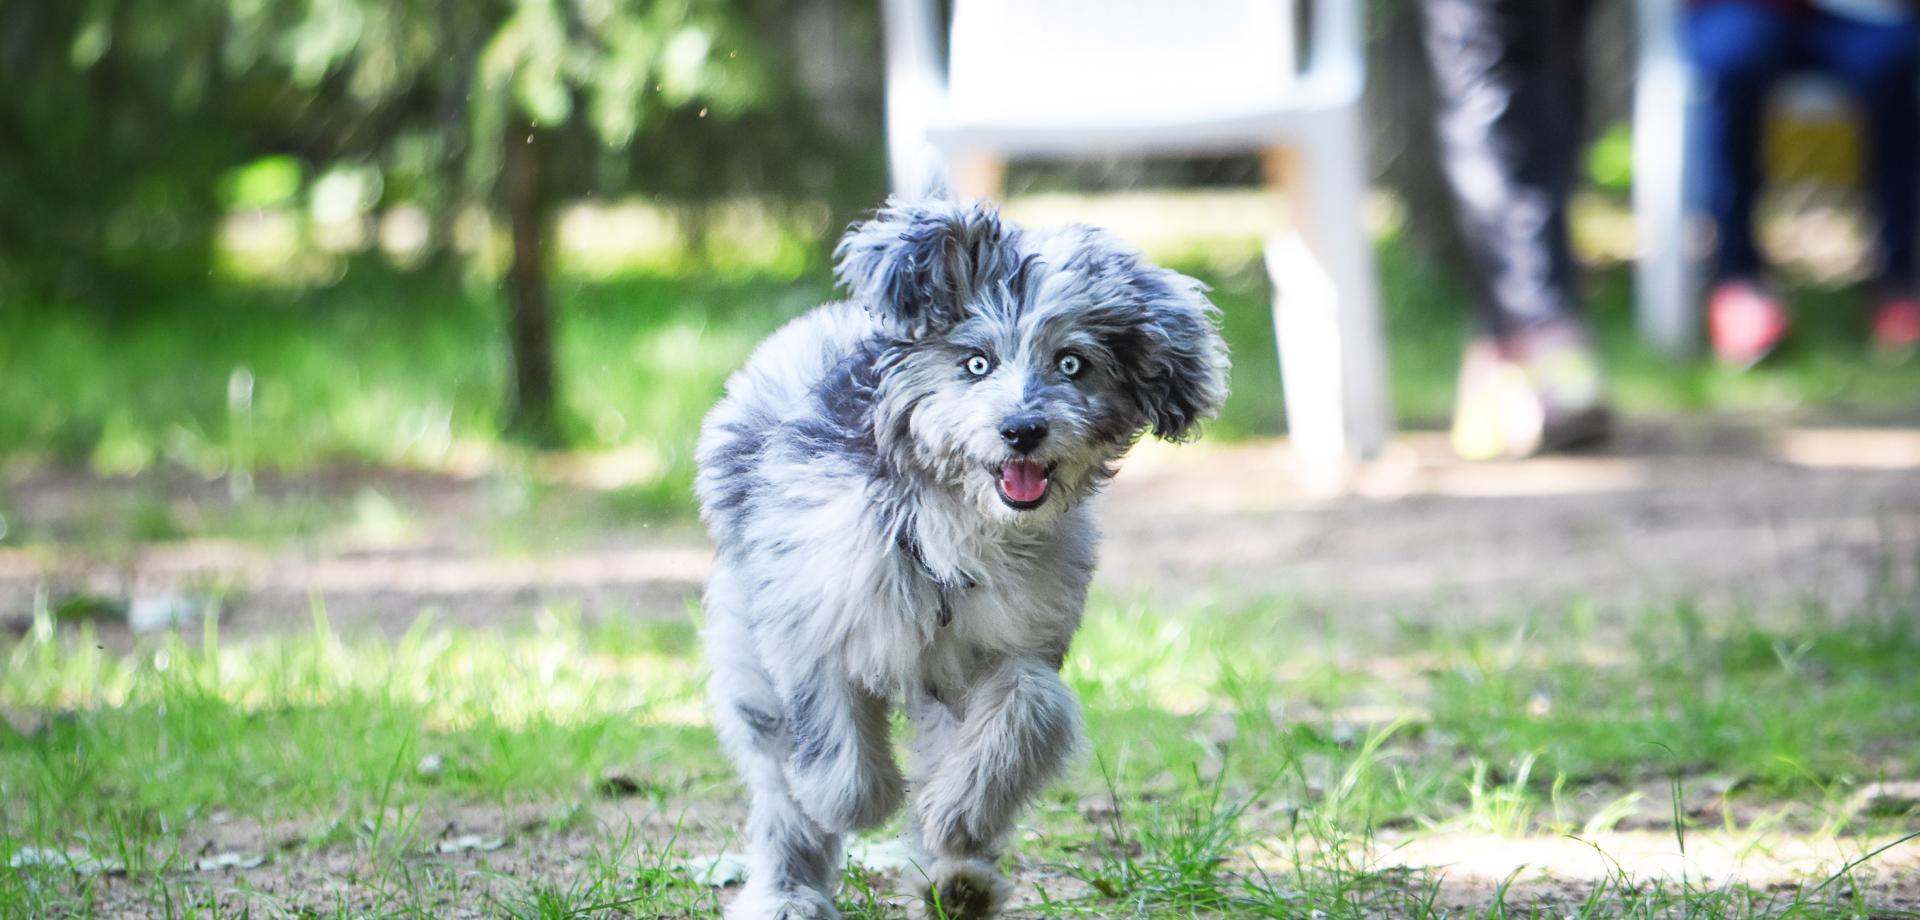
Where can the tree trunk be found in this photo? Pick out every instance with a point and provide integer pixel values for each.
(532, 394)
(1401, 107)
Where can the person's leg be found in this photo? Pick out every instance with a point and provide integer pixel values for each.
(1739, 49)
(1507, 77)
(1880, 64)
(1507, 81)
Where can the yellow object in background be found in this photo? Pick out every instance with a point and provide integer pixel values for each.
(1824, 149)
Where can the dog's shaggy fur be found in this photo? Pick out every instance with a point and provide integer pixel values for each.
(898, 488)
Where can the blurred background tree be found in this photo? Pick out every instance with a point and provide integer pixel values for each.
(136, 125)
(524, 98)
(117, 122)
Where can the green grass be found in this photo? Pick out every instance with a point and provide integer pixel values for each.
(1243, 762)
(378, 367)
(248, 378)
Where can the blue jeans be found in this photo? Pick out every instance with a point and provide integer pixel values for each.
(1739, 49)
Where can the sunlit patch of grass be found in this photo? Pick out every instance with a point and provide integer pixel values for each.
(319, 727)
(1285, 849)
(1783, 710)
(1494, 724)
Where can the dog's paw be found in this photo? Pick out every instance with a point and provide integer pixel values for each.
(797, 904)
(841, 801)
(961, 889)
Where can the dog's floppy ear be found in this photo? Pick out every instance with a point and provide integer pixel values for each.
(1181, 371)
(916, 264)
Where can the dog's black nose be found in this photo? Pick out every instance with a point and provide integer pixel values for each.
(1024, 432)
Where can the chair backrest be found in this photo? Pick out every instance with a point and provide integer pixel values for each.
(1066, 61)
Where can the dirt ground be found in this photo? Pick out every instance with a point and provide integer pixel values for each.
(1720, 514)
(1724, 514)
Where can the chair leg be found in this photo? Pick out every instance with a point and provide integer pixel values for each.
(979, 175)
(1326, 300)
(1666, 269)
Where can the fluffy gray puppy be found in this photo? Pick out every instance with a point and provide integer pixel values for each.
(898, 488)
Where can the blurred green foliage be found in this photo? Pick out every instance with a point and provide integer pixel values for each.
(117, 119)
(271, 181)
(1610, 159)
(133, 126)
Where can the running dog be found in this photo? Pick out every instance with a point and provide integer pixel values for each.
(898, 486)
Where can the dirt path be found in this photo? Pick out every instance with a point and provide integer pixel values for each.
(1721, 514)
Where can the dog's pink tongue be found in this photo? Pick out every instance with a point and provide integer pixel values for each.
(1023, 480)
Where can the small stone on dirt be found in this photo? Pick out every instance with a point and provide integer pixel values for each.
(164, 611)
(718, 871)
(80, 861)
(469, 843)
(220, 861)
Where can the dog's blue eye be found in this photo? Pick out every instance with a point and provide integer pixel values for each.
(1070, 365)
(979, 365)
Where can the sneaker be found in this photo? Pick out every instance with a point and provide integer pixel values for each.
(1896, 327)
(1535, 391)
(1746, 323)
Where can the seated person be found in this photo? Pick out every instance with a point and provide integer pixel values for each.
(1739, 49)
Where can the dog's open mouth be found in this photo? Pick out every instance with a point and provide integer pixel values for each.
(1023, 483)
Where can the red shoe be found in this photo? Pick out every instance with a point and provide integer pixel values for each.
(1896, 327)
(1746, 323)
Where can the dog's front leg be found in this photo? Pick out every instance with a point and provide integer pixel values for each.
(977, 764)
(840, 768)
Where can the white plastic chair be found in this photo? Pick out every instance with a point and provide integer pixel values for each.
(1058, 78)
(1668, 272)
